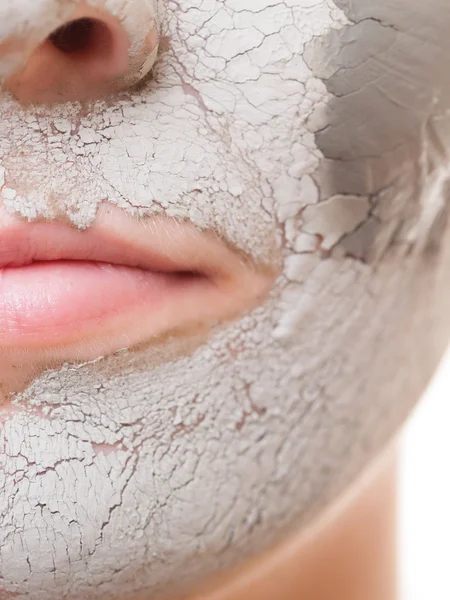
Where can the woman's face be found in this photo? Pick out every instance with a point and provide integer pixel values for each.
(290, 159)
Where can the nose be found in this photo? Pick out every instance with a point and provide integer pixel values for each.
(89, 54)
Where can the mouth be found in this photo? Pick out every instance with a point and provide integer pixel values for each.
(120, 283)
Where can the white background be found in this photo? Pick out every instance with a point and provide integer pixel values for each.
(424, 532)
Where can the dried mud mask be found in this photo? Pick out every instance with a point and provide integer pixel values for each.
(307, 135)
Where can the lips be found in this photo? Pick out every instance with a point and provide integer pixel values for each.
(120, 283)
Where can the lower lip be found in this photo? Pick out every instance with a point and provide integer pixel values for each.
(61, 302)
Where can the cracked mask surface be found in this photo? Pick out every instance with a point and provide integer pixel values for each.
(314, 126)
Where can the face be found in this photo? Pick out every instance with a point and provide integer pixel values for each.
(285, 167)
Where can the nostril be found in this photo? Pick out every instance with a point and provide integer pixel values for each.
(78, 36)
(90, 44)
(87, 57)
(90, 40)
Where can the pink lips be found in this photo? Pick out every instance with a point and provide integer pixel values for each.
(117, 284)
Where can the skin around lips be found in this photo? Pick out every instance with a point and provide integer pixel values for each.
(319, 126)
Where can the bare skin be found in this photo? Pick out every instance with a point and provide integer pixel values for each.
(224, 283)
(350, 553)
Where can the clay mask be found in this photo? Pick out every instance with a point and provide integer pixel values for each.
(313, 137)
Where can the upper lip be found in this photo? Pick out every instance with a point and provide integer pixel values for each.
(156, 244)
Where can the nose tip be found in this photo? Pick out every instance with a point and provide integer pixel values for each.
(86, 57)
